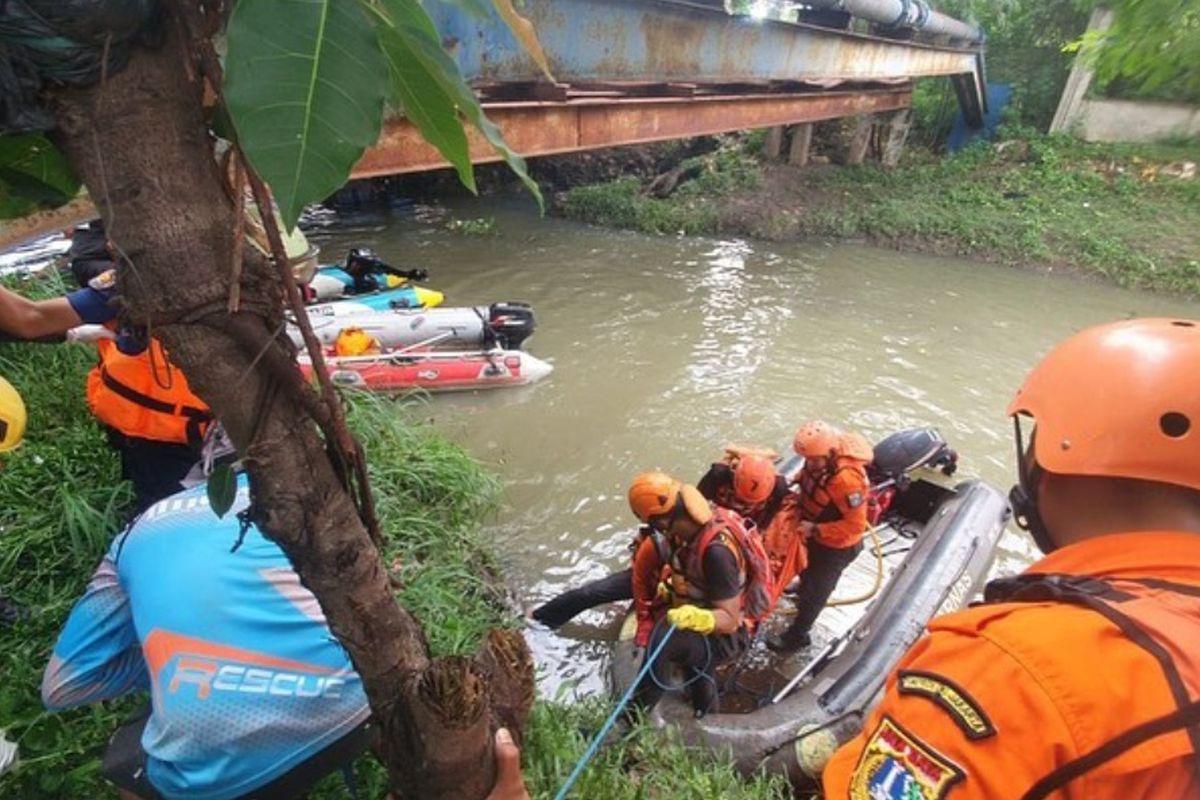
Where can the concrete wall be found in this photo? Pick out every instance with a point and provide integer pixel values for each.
(1134, 120)
(1118, 120)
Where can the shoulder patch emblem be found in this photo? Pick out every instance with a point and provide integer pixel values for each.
(104, 281)
(854, 499)
(897, 766)
(963, 708)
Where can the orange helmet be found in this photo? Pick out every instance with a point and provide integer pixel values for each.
(653, 494)
(816, 439)
(1120, 401)
(753, 479)
(657, 494)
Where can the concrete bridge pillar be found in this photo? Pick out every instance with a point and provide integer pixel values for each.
(897, 134)
(773, 146)
(801, 142)
(860, 140)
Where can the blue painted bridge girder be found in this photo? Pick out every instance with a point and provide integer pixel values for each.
(661, 41)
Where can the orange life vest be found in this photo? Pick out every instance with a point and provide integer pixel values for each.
(1160, 617)
(823, 497)
(784, 541)
(688, 584)
(145, 396)
(651, 555)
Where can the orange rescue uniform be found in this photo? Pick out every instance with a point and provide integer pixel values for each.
(651, 554)
(836, 503)
(999, 697)
(145, 396)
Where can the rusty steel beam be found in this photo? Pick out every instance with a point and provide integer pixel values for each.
(538, 129)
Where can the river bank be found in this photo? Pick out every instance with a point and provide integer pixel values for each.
(1126, 213)
(62, 500)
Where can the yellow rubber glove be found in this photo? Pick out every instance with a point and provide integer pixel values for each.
(663, 592)
(693, 618)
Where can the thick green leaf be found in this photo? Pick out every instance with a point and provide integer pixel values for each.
(33, 175)
(305, 82)
(222, 489)
(409, 22)
(426, 105)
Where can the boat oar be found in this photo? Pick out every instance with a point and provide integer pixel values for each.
(827, 652)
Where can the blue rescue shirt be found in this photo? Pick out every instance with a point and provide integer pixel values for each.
(246, 679)
(93, 303)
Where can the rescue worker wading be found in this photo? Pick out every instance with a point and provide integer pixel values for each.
(1080, 678)
(718, 587)
(748, 485)
(833, 512)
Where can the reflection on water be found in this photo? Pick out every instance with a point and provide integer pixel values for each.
(667, 348)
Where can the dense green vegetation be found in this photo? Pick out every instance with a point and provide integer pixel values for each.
(1025, 48)
(1150, 51)
(691, 209)
(1032, 200)
(61, 501)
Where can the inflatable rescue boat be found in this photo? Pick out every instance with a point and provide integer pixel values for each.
(503, 325)
(929, 554)
(435, 371)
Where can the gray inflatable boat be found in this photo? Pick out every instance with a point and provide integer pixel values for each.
(929, 555)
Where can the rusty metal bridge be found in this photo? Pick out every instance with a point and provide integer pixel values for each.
(634, 71)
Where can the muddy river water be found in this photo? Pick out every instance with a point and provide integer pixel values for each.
(665, 348)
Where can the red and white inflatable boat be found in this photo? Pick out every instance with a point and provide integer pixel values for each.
(434, 370)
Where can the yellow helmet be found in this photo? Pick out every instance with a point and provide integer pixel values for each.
(12, 417)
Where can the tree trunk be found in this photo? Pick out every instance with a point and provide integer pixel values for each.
(141, 145)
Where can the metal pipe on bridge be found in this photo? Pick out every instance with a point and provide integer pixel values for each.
(905, 14)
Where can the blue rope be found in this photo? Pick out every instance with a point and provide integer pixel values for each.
(612, 718)
(701, 673)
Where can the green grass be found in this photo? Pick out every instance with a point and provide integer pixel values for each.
(644, 764)
(689, 210)
(61, 500)
(1037, 201)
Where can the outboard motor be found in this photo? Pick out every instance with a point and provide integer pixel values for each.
(896, 457)
(910, 449)
(511, 323)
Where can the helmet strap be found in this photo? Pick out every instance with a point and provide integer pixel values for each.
(1023, 497)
